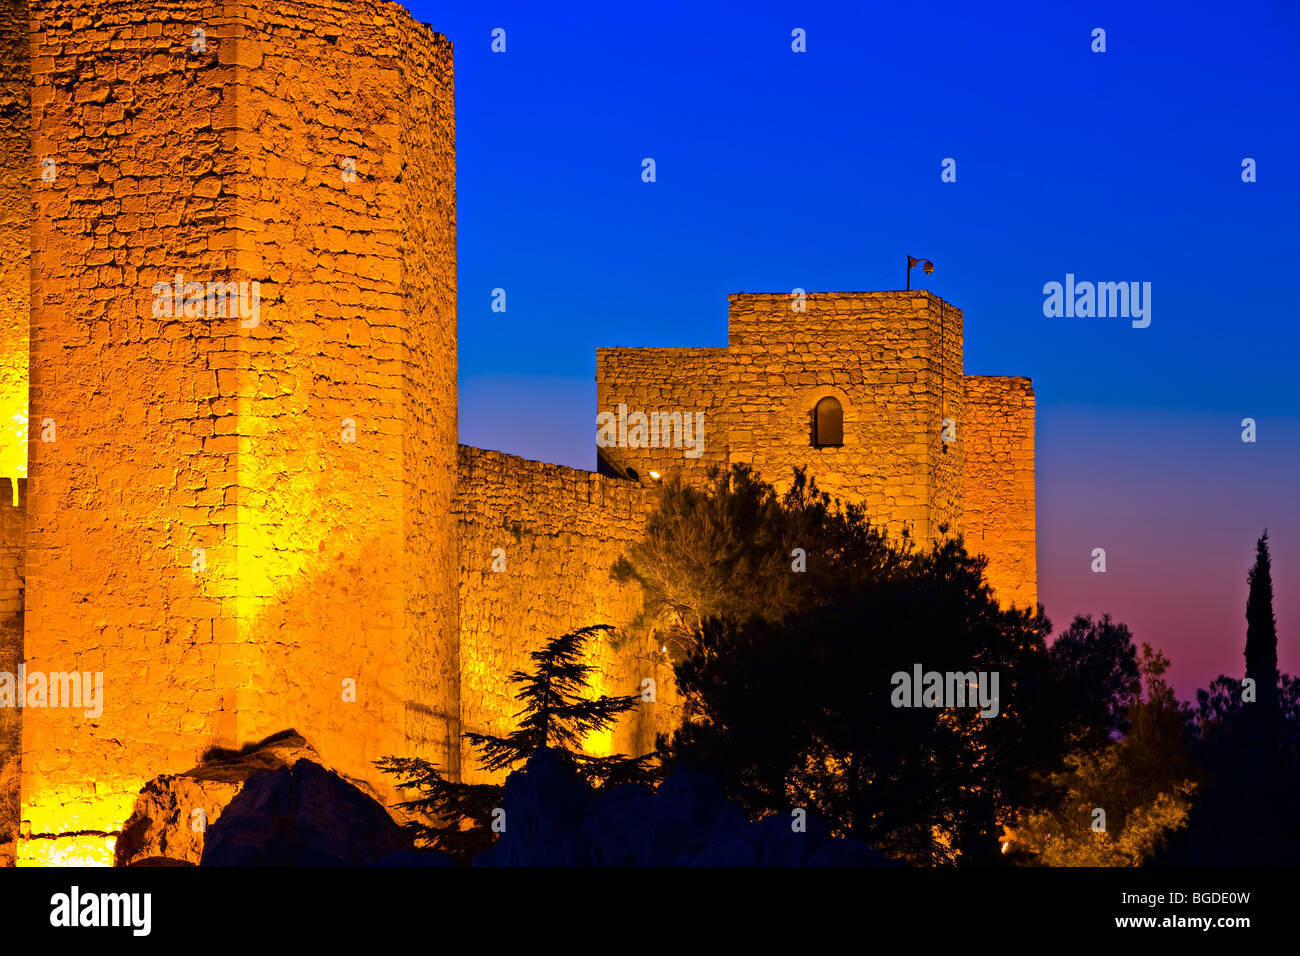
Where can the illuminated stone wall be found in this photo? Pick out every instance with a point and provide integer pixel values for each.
(894, 361)
(558, 531)
(347, 547)
(13, 546)
(999, 480)
(877, 352)
(13, 532)
(227, 156)
(18, 170)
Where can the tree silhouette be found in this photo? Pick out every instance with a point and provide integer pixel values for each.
(728, 549)
(1248, 747)
(787, 680)
(1261, 644)
(556, 714)
(1097, 679)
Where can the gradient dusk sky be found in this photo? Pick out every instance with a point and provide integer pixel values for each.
(821, 170)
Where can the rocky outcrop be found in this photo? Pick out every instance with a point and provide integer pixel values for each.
(174, 812)
(303, 815)
(275, 805)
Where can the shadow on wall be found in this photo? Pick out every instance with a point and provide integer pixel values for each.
(348, 669)
(336, 667)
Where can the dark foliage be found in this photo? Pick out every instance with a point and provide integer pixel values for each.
(1097, 680)
(556, 714)
(727, 549)
(790, 705)
(1248, 747)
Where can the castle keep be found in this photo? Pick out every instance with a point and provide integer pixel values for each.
(250, 521)
(925, 448)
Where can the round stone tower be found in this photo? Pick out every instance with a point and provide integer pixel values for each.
(243, 395)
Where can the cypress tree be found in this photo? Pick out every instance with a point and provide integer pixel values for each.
(1261, 634)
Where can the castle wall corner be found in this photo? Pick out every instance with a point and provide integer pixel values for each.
(1000, 516)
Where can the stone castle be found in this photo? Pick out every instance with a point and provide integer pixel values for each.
(251, 522)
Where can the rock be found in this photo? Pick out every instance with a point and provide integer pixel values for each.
(275, 805)
(163, 822)
(303, 815)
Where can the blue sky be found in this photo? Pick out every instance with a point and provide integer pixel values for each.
(821, 170)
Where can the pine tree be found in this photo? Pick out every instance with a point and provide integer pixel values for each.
(1261, 635)
(556, 714)
(459, 814)
(726, 549)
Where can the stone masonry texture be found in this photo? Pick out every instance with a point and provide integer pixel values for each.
(16, 171)
(13, 533)
(256, 519)
(536, 545)
(999, 484)
(894, 362)
(245, 521)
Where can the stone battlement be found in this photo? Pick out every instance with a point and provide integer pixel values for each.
(892, 361)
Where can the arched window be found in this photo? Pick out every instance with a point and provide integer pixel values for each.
(828, 423)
